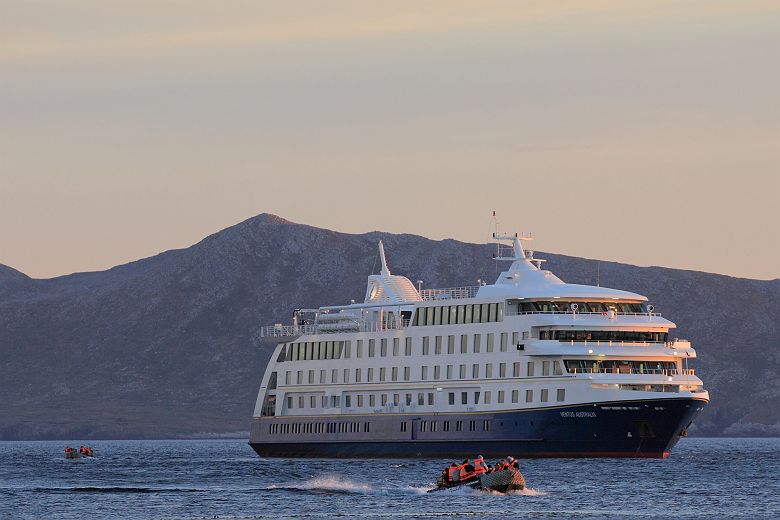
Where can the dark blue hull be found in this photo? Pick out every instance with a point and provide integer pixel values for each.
(644, 428)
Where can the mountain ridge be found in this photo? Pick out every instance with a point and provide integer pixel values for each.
(167, 345)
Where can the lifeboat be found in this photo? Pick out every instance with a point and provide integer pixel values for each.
(504, 476)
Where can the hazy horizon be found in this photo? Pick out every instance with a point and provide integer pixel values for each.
(645, 132)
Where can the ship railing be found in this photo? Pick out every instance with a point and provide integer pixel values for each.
(283, 331)
(451, 293)
(677, 344)
(604, 314)
(630, 371)
(286, 331)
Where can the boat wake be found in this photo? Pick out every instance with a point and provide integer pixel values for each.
(342, 485)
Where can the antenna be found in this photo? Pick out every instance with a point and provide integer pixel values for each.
(598, 273)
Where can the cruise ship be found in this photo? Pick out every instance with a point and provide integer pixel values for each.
(529, 366)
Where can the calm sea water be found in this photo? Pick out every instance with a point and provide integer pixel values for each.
(704, 478)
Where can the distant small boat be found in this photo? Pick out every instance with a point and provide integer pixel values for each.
(83, 451)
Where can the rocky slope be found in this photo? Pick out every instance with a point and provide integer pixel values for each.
(167, 346)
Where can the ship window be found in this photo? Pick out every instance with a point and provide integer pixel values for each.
(348, 401)
(366, 427)
(529, 396)
(545, 368)
(462, 313)
(429, 316)
(394, 374)
(469, 313)
(445, 315)
(464, 398)
(437, 316)
(424, 373)
(489, 370)
(370, 375)
(450, 344)
(476, 314)
(490, 342)
(463, 372)
(502, 370)
(299, 377)
(530, 369)
(515, 396)
(360, 400)
(360, 348)
(396, 400)
(408, 399)
(486, 425)
(407, 374)
(421, 399)
(372, 400)
(449, 371)
(430, 398)
(472, 426)
(557, 368)
(311, 377)
(484, 313)
(426, 345)
(433, 426)
(504, 338)
(458, 426)
(324, 401)
(488, 397)
(384, 399)
(464, 343)
(403, 426)
(347, 349)
(372, 348)
(322, 377)
(309, 351)
(561, 394)
(346, 375)
(492, 312)
(500, 396)
(543, 397)
(476, 397)
(597, 307)
(382, 371)
(437, 348)
(408, 347)
(446, 426)
(383, 347)
(475, 371)
(287, 376)
(358, 375)
(477, 339)
(422, 425)
(339, 349)
(453, 314)
(515, 338)
(436, 373)
(452, 398)
(289, 401)
(516, 369)
(334, 376)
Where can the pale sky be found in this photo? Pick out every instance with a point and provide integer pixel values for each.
(640, 132)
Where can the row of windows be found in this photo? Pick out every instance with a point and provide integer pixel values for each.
(427, 373)
(359, 400)
(603, 335)
(459, 314)
(422, 399)
(450, 344)
(332, 427)
(619, 366)
(315, 350)
(520, 307)
(487, 396)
